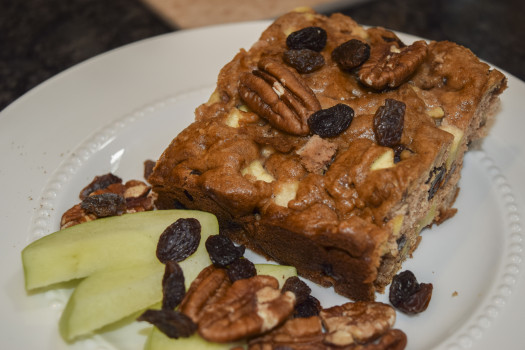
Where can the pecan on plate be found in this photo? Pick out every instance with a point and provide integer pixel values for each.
(389, 66)
(249, 307)
(74, 216)
(358, 322)
(136, 195)
(279, 95)
(296, 334)
(393, 339)
(210, 285)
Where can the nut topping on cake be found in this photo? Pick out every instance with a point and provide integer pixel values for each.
(390, 66)
(279, 95)
(316, 154)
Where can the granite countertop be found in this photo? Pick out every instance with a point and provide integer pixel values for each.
(41, 38)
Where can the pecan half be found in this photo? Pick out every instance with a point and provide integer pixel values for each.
(390, 66)
(74, 216)
(137, 195)
(279, 95)
(210, 285)
(393, 339)
(298, 333)
(249, 307)
(358, 322)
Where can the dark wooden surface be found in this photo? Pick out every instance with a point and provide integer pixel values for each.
(41, 38)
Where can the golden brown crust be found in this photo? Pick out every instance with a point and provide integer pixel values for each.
(342, 222)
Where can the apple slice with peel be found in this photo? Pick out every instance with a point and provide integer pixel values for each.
(159, 341)
(111, 294)
(112, 242)
(281, 272)
(108, 296)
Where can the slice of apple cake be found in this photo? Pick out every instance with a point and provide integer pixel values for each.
(329, 147)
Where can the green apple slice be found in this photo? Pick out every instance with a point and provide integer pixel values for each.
(160, 341)
(281, 272)
(109, 295)
(113, 242)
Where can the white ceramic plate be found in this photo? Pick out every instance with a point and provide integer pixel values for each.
(115, 111)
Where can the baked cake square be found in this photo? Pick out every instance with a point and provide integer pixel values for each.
(329, 146)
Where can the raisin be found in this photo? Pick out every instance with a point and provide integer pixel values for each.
(173, 289)
(308, 308)
(436, 180)
(409, 296)
(98, 183)
(304, 61)
(313, 38)
(188, 195)
(351, 54)
(332, 121)
(172, 323)
(105, 204)
(389, 122)
(222, 251)
(179, 240)
(298, 287)
(240, 269)
(148, 168)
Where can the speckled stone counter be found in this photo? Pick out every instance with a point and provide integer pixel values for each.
(41, 38)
